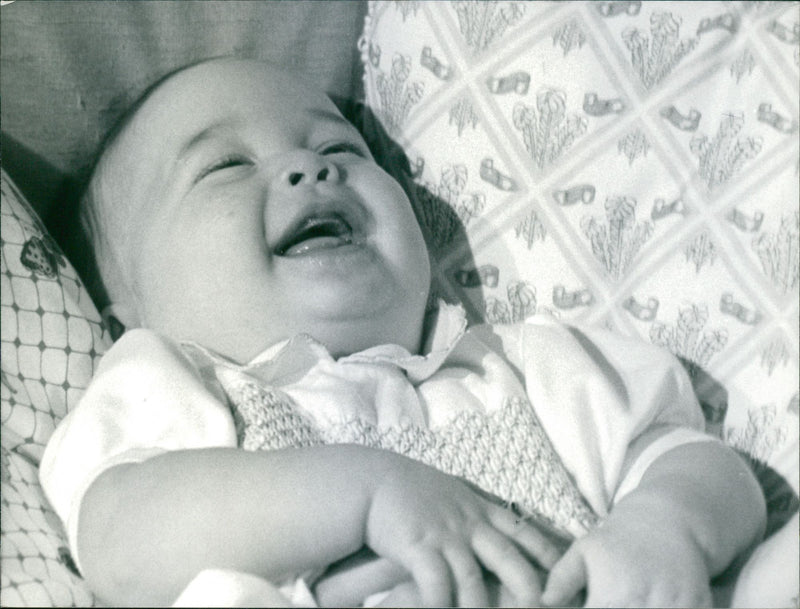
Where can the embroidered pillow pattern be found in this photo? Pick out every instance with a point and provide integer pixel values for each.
(624, 163)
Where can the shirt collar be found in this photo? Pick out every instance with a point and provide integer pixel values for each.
(289, 360)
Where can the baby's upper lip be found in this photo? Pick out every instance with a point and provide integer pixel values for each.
(343, 219)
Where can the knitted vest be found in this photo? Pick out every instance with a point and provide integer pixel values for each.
(506, 453)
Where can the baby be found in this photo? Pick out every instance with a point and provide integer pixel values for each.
(273, 282)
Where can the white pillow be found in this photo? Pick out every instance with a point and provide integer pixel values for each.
(629, 164)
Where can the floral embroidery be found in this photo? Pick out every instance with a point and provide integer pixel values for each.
(723, 156)
(521, 303)
(443, 221)
(616, 243)
(761, 436)
(701, 251)
(530, 229)
(654, 57)
(688, 339)
(462, 114)
(547, 131)
(482, 23)
(569, 36)
(398, 95)
(775, 353)
(743, 65)
(407, 7)
(779, 253)
(687, 81)
(633, 145)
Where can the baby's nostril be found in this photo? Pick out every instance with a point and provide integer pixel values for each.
(295, 178)
(323, 174)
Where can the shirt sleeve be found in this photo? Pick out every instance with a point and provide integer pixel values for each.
(146, 398)
(611, 405)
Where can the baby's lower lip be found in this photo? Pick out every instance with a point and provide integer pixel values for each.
(317, 244)
(323, 253)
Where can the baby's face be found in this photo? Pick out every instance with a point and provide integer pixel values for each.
(258, 213)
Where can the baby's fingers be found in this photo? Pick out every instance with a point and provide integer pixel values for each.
(467, 575)
(430, 570)
(567, 578)
(534, 538)
(502, 557)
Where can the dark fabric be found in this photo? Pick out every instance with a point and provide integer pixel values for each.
(69, 68)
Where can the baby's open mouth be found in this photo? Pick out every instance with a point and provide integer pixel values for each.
(318, 232)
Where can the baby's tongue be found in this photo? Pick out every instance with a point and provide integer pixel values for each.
(320, 233)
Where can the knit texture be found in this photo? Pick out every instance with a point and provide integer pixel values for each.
(506, 453)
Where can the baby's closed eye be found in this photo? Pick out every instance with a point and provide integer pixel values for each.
(342, 148)
(222, 163)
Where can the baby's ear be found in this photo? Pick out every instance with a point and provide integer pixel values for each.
(119, 318)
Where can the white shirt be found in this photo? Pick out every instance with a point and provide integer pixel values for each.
(562, 421)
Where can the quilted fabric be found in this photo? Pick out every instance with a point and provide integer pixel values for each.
(628, 164)
(52, 338)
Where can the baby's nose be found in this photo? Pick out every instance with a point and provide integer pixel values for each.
(308, 167)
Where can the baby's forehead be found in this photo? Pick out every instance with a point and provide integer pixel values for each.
(220, 90)
(198, 99)
(230, 78)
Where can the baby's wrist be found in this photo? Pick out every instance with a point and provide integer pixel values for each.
(643, 518)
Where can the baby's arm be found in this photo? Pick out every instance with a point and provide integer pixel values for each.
(143, 529)
(146, 529)
(697, 506)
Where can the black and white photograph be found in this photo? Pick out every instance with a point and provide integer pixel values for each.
(400, 303)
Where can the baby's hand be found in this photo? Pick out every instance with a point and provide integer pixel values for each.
(442, 531)
(630, 562)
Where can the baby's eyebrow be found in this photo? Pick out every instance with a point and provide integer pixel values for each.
(329, 115)
(202, 136)
(212, 130)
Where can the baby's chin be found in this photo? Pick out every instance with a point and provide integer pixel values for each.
(359, 334)
(349, 313)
